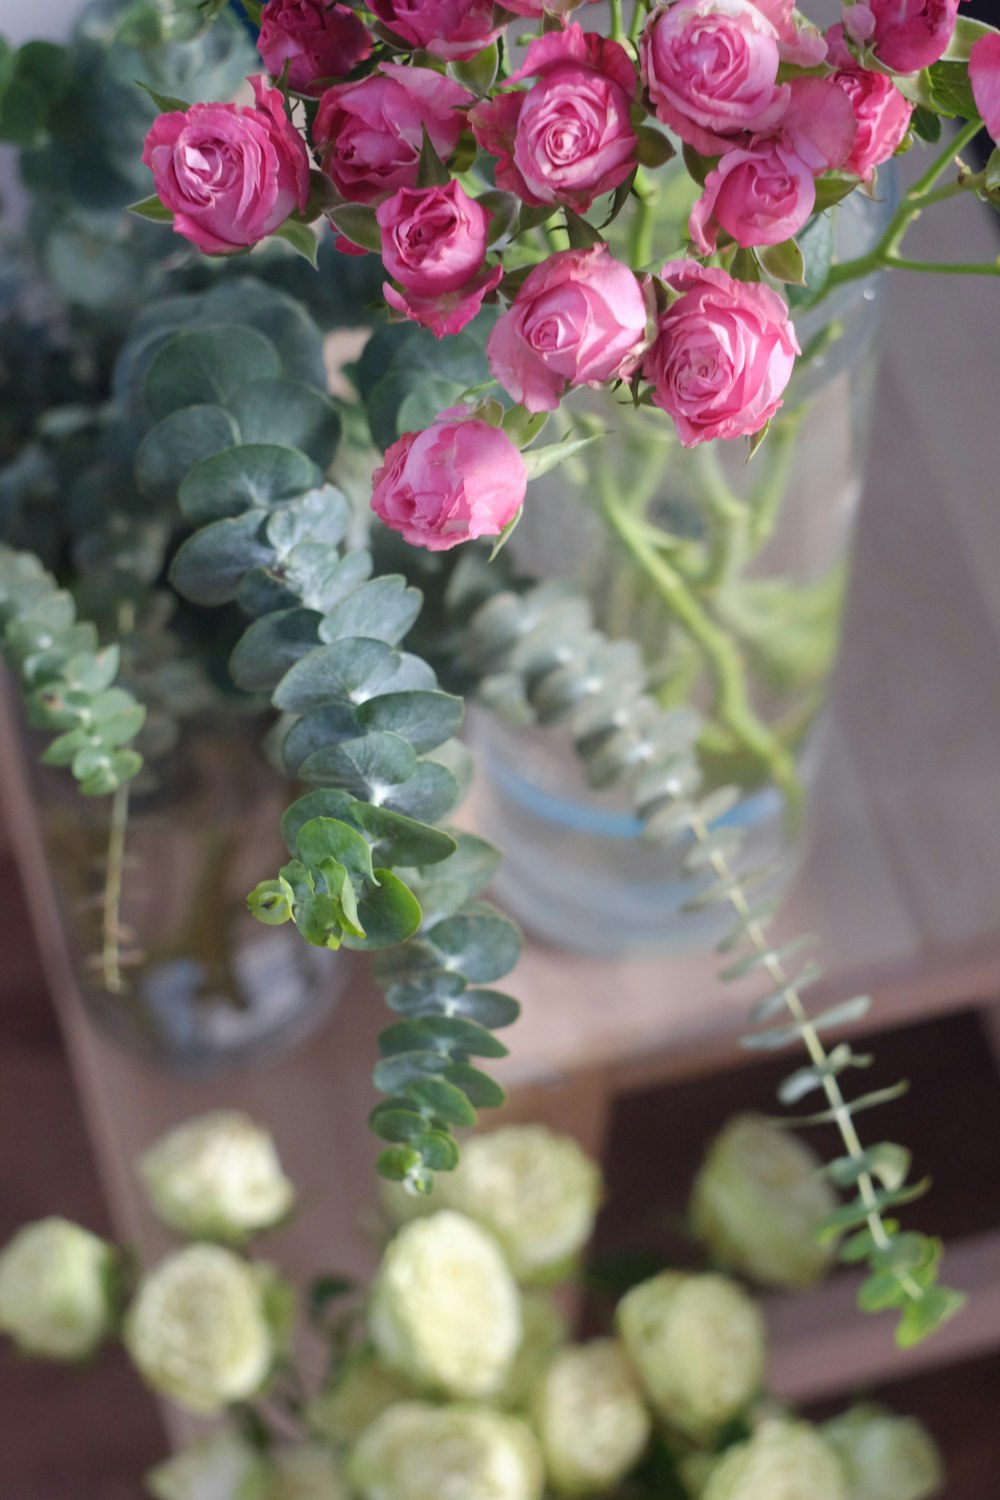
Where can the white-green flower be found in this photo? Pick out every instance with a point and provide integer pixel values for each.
(781, 1461)
(886, 1457)
(217, 1177)
(536, 1191)
(758, 1200)
(199, 1330)
(360, 1391)
(416, 1451)
(56, 1297)
(543, 1331)
(697, 1344)
(307, 1472)
(591, 1418)
(221, 1467)
(444, 1309)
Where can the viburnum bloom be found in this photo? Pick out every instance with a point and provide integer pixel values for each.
(723, 354)
(369, 134)
(579, 319)
(711, 68)
(458, 479)
(763, 193)
(452, 29)
(984, 76)
(908, 35)
(56, 1284)
(434, 244)
(591, 1418)
(885, 1457)
(416, 1451)
(881, 112)
(781, 1457)
(230, 175)
(570, 137)
(318, 41)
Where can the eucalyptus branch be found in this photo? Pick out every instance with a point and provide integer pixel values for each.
(542, 654)
(111, 908)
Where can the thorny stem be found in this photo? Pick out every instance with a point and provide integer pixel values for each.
(114, 982)
(817, 1052)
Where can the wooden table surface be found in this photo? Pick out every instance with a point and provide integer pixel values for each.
(901, 882)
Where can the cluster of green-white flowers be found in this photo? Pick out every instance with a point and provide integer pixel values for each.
(456, 1378)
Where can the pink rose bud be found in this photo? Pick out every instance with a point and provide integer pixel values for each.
(570, 137)
(723, 354)
(434, 244)
(882, 114)
(370, 133)
(911, 34)
(763, 193)
(231, 176)
(984, 75)
(711, 68)
(453, 29)
(579, 319)
(319, 42)
(457, 480)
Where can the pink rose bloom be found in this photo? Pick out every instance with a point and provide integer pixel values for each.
(453, 29)
(570, 137)
(711, 68)
(458, 479)
(763, 193)
(230, 176)
(579, 319)
(317, 40)
(984, 75)
(723, 354)
(370, 133)
(434, 244)
(883, 115)
(911, 34)
(799, 41)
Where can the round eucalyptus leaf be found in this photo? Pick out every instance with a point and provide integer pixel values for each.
(389, 914)
(424, 719)
(398, 1163)
(451, 1034)
(249, 477)
(353, 670)
(430, 793)
(317, 730)
(383, 609)
(433, 993)
(291, 413)
(271, 645)
(408, 401)
(179, 442)
(210, 566)
(480, 941)
(438, 1150)
(208, 364)
(443, 1100)
(491, 1008)
(480, 1090)
(391, 1122)
(393, 1074)
(370, 767)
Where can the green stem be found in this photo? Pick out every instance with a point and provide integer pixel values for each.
(641, 231)
(638, 21)
(919, 197)
(617, 29)
(720, 652)
(945, 268)
(111, 970)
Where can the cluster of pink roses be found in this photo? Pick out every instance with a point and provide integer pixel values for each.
(763, 103)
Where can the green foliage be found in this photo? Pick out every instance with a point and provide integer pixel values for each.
(540, 658)
(66, 678)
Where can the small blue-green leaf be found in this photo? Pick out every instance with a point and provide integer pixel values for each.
(424, 719)
(480, 941)
(317, 730)
(208, 365)
(249, 477)
(209, 566)
(290, 413)
(369, 768)
(352, 670)
(480, 1090)
(177, 444)
(269, 646)
(383, 609)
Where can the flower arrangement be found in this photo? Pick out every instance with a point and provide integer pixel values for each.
(455, 1373)
(505, 199)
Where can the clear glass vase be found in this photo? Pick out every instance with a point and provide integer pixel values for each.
(153, 897)
(731, 576)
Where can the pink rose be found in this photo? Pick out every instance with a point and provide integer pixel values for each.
(453, 29)
(764, 192)
(711, 68)
(723, 354)
(458, 479)
(319, 41)
(911, 34)
(984, 75)
(570, 137)
(579, 319)
(434, 244)
(370, 133)
(231, 176)
(882, 114)
(799, 41)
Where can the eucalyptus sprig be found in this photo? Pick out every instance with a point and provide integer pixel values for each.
(540, 659)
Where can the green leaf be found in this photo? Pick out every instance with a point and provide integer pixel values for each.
(408, 401)
(210, 565)
(582, 234)
(448, 1034)
(352, 670)
(744, 265)
(655, 149)
(784, 262)
(152, 208)
(926, 124)
(400, 1164)
(271, 645)
(816, 244)
(165, 103)
(522, 427)
(177, 444)
(368, 768)
(480, 1090)
(391, 1122)
(252, 476)
(358, 222)
(951, 90)
(316, 730)
(270, 902)
(383, 610)
(393, 1074)
(438, 1150)
(431, 170)
(426, 796)
(301, 238)
(424, 719)
(965, 34)
(321, 515)
(208, 366)
(922, 1318)
(395, 840)
(539, 461)
(322, 839)
(832, 187)
(480, 942)
(477, 73)
(502, 209)
(289, 413)
(444, 1101)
